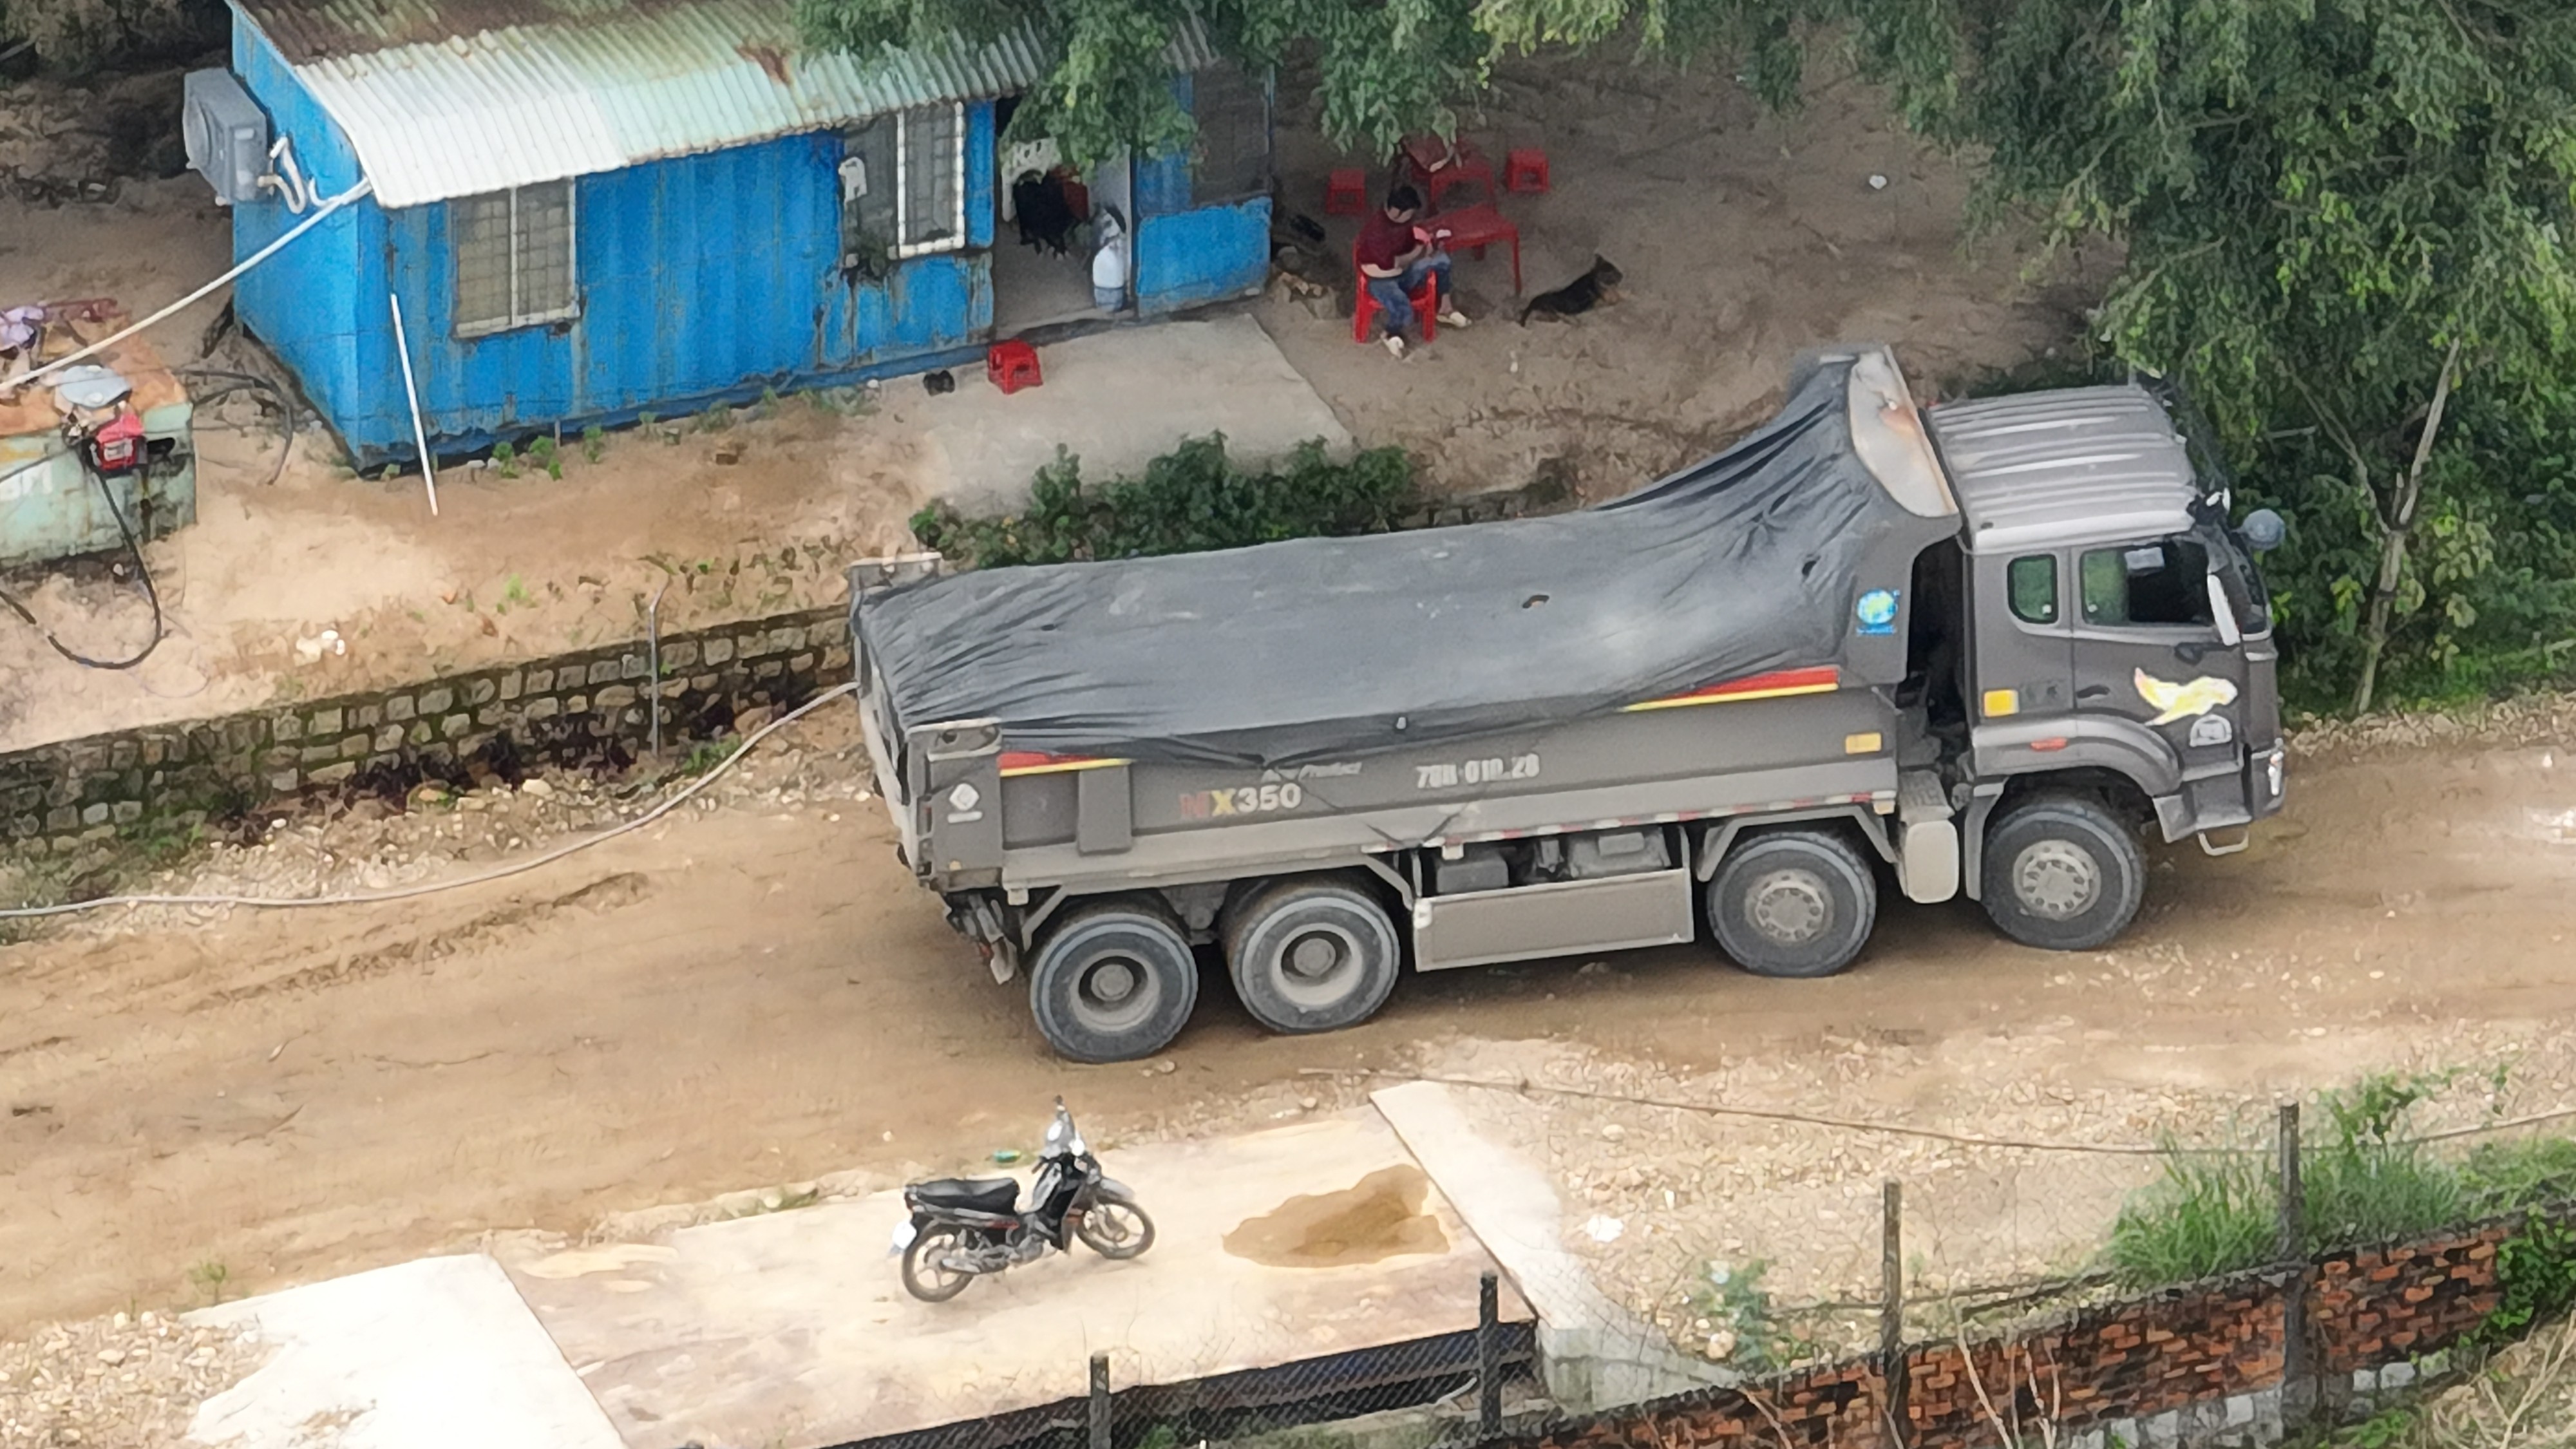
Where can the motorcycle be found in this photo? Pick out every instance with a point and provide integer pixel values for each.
(963, 1229)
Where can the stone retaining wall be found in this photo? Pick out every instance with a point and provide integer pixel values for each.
(587, 709)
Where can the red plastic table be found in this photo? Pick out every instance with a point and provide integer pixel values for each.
(1476, 227)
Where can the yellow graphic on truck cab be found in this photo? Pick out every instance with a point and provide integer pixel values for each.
(2183, 701)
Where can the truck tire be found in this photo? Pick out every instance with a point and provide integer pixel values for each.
(1312, 955)
(1113, 982)
(2063, 874)
(1795, 903)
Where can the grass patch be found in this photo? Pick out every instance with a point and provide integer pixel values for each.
(2370, 1180)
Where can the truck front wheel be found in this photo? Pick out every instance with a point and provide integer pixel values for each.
(2063, 874)
(1312, 955)
(1113, 982)
(1792, 903)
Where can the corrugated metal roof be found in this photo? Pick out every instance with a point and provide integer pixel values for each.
(446, 98)
(2052, 467)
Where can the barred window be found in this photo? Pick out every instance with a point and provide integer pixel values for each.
(1231, 159)
(930, 151)
(514, 258)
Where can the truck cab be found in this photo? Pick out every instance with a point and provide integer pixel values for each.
(2120, 648)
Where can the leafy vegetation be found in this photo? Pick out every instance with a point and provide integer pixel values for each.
(1193, 498)
(1744, 1327)
(2371, 1180)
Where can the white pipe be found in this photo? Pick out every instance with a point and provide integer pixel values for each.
(419, 435)
(365, 185)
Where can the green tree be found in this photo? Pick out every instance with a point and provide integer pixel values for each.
(2341, 218)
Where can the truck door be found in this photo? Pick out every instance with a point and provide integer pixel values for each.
(2024, 660)
(2149, 648)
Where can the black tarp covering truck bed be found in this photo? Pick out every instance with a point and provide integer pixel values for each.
(1290, 652)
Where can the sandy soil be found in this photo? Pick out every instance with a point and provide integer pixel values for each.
(756, 994)
(1743, 237)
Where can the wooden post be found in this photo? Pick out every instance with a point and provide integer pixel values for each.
(1891, 1307)
(1489, 1356)
(1100, 1401)
(2290, 1249)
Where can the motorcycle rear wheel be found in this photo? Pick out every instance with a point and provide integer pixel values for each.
(924, 1277)
(1116, 1230)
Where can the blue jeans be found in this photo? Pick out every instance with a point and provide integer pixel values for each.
(1394, 295)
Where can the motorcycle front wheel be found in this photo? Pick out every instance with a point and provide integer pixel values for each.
(1117, 1230)
(925, 1275)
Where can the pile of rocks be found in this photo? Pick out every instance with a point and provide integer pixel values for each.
(132, 1381)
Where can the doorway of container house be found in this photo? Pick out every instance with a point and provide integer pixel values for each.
(1051, 221)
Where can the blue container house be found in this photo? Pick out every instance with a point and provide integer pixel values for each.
(585, 210)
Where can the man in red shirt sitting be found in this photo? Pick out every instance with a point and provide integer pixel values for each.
(1394, 256)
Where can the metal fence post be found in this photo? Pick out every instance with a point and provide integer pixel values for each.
(1891, 1306)
(2290, 1248)
(1100, 1401)
(1489, 1355)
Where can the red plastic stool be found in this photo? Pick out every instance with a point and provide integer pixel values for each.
(1012, 366)
(1346, 192)
(1364, 308)
(1525, 169)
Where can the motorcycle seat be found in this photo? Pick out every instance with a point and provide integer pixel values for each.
(980, 1194)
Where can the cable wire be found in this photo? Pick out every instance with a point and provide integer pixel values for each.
(1526, 1087)
(431, 888)
(142, 573)
(365, 185)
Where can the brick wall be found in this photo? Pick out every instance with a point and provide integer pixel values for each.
(2201, 1365)
(589, 708)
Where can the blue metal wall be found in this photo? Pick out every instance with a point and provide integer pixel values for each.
(319, 304)
(1188, 254)
(702, 279)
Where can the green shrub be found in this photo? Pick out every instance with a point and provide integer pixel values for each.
(2368, 1181)
(1189, 500)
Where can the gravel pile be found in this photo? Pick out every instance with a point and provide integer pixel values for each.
(2530, 720)
(126, 1382)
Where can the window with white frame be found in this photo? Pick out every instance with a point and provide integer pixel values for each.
(514, 258)
(930, 179)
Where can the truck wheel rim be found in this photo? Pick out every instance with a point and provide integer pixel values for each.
(1790, 907)
(1317, 966)
(1114, 993)
(2057, 879)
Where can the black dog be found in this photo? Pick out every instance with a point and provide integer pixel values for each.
(1046, 221)
(1599, 285)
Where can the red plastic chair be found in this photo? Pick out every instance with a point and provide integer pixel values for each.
(1439, 167)
(1364, 310)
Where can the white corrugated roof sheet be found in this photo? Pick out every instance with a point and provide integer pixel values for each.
(437, 110)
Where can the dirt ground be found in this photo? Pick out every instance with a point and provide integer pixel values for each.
(1744, 237)
(754, 993)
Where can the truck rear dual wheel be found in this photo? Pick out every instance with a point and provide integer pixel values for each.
(2063, 874)
(1797, 903)
(1113, 981)
(1312, 954)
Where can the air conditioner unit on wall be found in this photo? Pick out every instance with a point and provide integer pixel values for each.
(227, 135)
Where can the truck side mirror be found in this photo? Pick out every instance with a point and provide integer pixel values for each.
(2224, 613)
(2264, 530)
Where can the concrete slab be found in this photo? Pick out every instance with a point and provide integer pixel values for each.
(424, 1355)
(1117, 400)
(1593, 1351)
(794, 1328)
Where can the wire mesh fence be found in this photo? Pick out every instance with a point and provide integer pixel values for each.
(1459, 1384)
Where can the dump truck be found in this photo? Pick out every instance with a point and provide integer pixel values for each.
(1983, 649)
